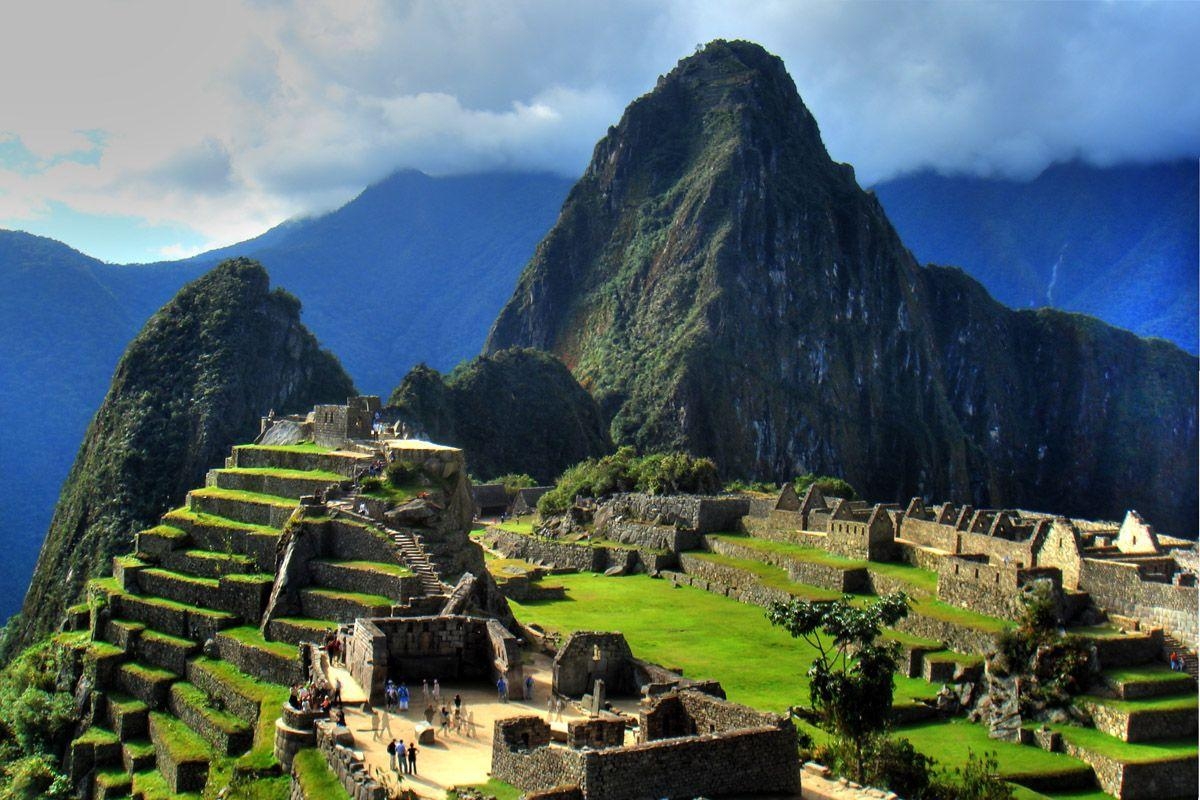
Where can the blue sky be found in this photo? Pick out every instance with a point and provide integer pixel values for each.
(149, 130)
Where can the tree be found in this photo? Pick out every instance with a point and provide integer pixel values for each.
(851, 681)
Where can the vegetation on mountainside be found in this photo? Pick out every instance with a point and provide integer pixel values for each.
(194, 382)
(626, 471)
(36, 720)
(828, 484)
(517, 411)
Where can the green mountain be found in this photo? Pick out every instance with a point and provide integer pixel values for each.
(719, 284)
(194, 382)
(517, 411)
(1119, 242)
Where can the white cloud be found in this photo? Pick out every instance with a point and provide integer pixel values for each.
(228, 117)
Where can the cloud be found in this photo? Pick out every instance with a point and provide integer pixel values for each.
(228, 117)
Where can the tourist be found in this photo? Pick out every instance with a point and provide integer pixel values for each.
(502, 690)
(412, 758)
(402, 696)
(294, 698)
(437, 691)
(391, 751)
(549, 707)
(457, 702)
(445, 726)
(336, 695)
(340, 718)
(425, 691)
(528, 688)
(401, 758)
(1176, 662)
(429, 712)
(558, 709)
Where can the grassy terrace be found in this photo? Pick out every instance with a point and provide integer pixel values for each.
(215, 521)
(192, 696)
(1098, 632)
(769, 576)
(151, 785)
(270, 697)
(245, 497)
(316, 625)
(273, 472)
(1172, 702)
(1128, 752)
(315, 777)
(111, 588)
(799, 552)
(395, 570)
(949, 741)
(183, 743)
(936, 609)
(303, 447)
(921, 580)
(1146, 673)
(394, 494)
(97, 735)
(516, 527)
(252, 637)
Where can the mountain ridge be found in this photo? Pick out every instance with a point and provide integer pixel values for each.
(719, 284)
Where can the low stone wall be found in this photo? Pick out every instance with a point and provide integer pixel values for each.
(921, 557)
(653, 537)
(350, 771)
(1129, 650)
(396, 587)
(224, 741)
(181, 774)
(317, 605)
(356, 541)
(991, 589)
(243, 510)
(244, 707)
(521, 756)
(259, 663)
(959, 638)
(1162, 780)
(258, 458)
(927, 533)
(727, 581)
(151, 691)
(835, 579)
(563, 555)
(1142, 726)
(266, 484)
(688, 512)
(168, 653)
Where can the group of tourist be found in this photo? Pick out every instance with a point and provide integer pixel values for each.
(315, 696)
(401, 757)
(1177, 663)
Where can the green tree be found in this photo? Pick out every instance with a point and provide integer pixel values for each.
(851, 681)
(829, 486)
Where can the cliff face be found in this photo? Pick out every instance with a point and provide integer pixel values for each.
(719, 284)
(517, 411)
(194, 382)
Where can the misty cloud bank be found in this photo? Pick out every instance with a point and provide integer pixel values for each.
(227, 117)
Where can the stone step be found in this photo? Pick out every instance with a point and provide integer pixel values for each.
(96, 748)
(1150, 680)
(160, 540)
(181, 755)
(126, 716)
(207, 563)
(246, 649)
(164, 651)
(170, 617)
(220, 534)
(224, 732)
(243, 595)
(138, 754)
(247, 507)
(343, 607)
(295, 630)
(278, 482)
(111, 783)
(146, 683)
(231, 689)
(259, 457)
(387, 580)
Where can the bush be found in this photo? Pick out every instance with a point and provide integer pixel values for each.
(829, 486)
(978, 779)
(402, 473)
(372, 484)
(513, 482)
(766, 487)
(896, 764)
(626, 471)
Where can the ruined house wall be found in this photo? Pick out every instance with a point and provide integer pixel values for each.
(1060, 549)
(576, 666)
(687, 512)
(929, 534)
(1118, 587)
(991, 589)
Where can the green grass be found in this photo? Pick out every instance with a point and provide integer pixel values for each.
(183, 743)
(249, 577)
(525, 528)
(394, 494)
(96, 735)
(1098, 632)
(949, 741)
(395, 570)
(231, 559)
(311, 624)
(351, 597)
(113, 778)
(303, 447)
(1147, 673)
(124, 703)
(911, 640)
(148, 672)
(126, 562)
(769, 576)
(190, 695)
(217, 521)
(110, 587)
(1022, 793)
(936, 609)
(951, 657)
(1127, 752)
(315, 777)
(274, 472)
(183, 577)
(270, 697)
(246, 497)
(493, 788)
(153, 786)
(1170, 702)
(252, 637)
(166, 532)
(759, 664)
(921, 580)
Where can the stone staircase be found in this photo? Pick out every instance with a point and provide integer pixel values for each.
(1191, 665)
(409, 547)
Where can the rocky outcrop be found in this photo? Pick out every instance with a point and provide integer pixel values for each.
(720, 285)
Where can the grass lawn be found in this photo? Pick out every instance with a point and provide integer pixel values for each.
(516, 527)
(1170, 702)
(303, 447)
(921, 580)
(1128, 752)
(315, 777)
(252, 637)
(246, 497)
(769, 576)
(394, 494)
(215, 521)
(395, 570)
(949, 742)
(493, 788)
(758, 664)
(1146, 673)
(274, 472)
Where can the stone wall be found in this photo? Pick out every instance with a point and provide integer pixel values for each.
(590, 655)
(416, 648)
(727, 581)
(578, 556)
(1118, 587)
(992, 589)
(654, 537)
(335, 744)
(837, 579)
(1163, 780)
(1145, 725)
(694, 513)
(928, 533)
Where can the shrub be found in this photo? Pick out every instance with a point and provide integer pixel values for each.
(978, 779)
(513, 482)
(372, 484)
(829, 486)
(896, 764)
(626, 471)
(402, 473)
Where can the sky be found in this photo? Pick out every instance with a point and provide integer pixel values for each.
(140, 131)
